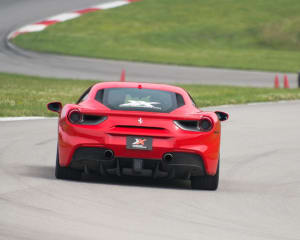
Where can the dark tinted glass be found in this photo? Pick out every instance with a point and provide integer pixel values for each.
(135, 99)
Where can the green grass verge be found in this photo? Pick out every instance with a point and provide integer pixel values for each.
(249, 34)
(27, 96)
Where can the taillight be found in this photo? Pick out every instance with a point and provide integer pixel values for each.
(203, 125)
(76, 117)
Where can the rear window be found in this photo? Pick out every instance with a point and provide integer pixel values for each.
(135, 99)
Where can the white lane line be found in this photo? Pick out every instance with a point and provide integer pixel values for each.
(254, 104)
(6, 119)
(10, 119)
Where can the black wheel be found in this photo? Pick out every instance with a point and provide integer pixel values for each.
(206, 182)
(65, 172)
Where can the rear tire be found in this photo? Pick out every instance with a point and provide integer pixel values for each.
(206, 182)
(65, 172)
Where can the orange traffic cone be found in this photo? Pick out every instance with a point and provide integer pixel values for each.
(276, 81)
(286, 82)
(122, 79)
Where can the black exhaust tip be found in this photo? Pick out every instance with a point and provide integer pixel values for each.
(168, 157)
(108, 154)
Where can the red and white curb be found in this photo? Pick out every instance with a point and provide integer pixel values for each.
(41, 25)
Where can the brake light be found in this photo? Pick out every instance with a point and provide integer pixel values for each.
(76, 117)
(203, 125)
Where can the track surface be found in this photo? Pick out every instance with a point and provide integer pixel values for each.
(17, 13)
(258, 197)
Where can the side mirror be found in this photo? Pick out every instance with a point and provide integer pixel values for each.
(54, 107)
(223, 116)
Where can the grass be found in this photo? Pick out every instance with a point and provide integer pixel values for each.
(249, 34)
(27, 96)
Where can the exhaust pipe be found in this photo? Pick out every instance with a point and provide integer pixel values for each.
(168, 157)
(108, 154)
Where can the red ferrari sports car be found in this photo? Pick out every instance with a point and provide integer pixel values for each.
(138, 129)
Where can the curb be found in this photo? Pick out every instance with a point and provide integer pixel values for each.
(42, 25)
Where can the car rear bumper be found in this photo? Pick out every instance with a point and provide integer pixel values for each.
(182, 165)
(193, 152)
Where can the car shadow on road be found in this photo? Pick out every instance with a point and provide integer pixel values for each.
(37, 171)
(47, 172)
(138, 182)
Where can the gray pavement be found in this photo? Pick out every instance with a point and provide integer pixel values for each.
(258, 197)
(16, 13)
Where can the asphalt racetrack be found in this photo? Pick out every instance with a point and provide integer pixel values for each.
(258, 196)
(17, 13)
(259, 192)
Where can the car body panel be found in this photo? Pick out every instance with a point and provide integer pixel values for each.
(112, 132)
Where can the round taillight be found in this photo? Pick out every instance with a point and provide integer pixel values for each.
(205, 124)
(75, 116)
